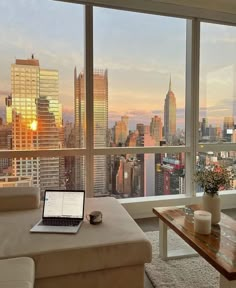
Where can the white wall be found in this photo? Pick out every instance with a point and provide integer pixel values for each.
(142, 207)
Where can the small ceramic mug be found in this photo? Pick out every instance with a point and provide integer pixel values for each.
(94, 217)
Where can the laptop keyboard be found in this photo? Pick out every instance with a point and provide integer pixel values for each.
(61, 222)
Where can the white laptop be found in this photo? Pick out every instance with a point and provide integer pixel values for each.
(63, 212)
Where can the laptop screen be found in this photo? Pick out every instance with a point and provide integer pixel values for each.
(64, 204)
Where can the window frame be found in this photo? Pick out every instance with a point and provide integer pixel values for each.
(141, 206)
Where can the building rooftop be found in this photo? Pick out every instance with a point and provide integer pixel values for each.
(31, 62)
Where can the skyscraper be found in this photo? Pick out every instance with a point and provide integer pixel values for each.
(149, 159)
(36, 121)
(5, 144)
(78, 177)
(121, 131)
(140, 127)
(205, 127)
(8, 102)
(156, 129)
(170, 115)
(228, 128)
(25, 90)
(100, 96)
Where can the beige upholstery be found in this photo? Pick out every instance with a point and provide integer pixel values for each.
(19, 198)
(17, 273)
(114, 249)
(121, 277)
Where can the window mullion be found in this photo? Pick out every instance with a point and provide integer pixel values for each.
(89, 100)
(192, 100)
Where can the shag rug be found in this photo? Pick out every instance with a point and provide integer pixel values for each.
(188, 272)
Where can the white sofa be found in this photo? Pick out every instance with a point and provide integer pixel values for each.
(111, 254)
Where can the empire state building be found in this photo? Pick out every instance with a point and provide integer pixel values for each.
(170, 115)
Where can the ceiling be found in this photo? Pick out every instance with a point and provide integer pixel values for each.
(227, 6)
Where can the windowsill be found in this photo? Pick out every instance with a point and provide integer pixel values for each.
(152, 198)
(141, 207)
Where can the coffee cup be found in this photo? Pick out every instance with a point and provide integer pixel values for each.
(94, 217)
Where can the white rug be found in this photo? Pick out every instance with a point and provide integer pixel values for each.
(191, 272)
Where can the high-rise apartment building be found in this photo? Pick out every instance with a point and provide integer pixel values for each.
(25, 90)
(5, 144)
(127, 178)
(36, 121)
(121, 131)
(100, 100)
(170, 175)
(125, 119)
(204, 127)
(140, 128)
(149, 162)
(228, 128)
(8, 102)
(78, 177)
(170, 115)
(156, 129)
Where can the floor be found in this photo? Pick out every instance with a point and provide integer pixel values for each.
(148, 224)
(151, 224)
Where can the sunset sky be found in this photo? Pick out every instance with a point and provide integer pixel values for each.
(140, 52)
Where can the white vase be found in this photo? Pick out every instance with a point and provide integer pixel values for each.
(212, 204)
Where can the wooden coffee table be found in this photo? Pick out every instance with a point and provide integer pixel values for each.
(218, 248)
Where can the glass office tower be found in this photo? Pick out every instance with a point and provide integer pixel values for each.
(100, 129)
(36, 121)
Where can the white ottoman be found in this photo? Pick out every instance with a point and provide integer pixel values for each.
(17, 273)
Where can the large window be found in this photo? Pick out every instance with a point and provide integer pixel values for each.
(42, 97)
(217, 97)
(144, 58)
(143, 128)
(139, 100)
(217, 84)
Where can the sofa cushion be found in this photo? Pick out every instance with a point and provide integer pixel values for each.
(17, 273)
(19, 198)
(116, 242)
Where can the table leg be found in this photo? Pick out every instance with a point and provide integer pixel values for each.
(187, 251)
(225, 283)
(163, 240)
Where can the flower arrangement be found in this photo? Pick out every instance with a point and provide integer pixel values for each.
(213, 178)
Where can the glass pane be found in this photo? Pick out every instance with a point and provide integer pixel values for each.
(46, 172)
(138, 175)
(41, 56)
(217, 84)
(139, 79)
(225, 159)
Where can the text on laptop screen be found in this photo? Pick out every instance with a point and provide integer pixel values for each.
(68, 204)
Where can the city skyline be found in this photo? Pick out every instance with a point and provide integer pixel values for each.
(35, 122)
(137, 69)
(168, 116)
